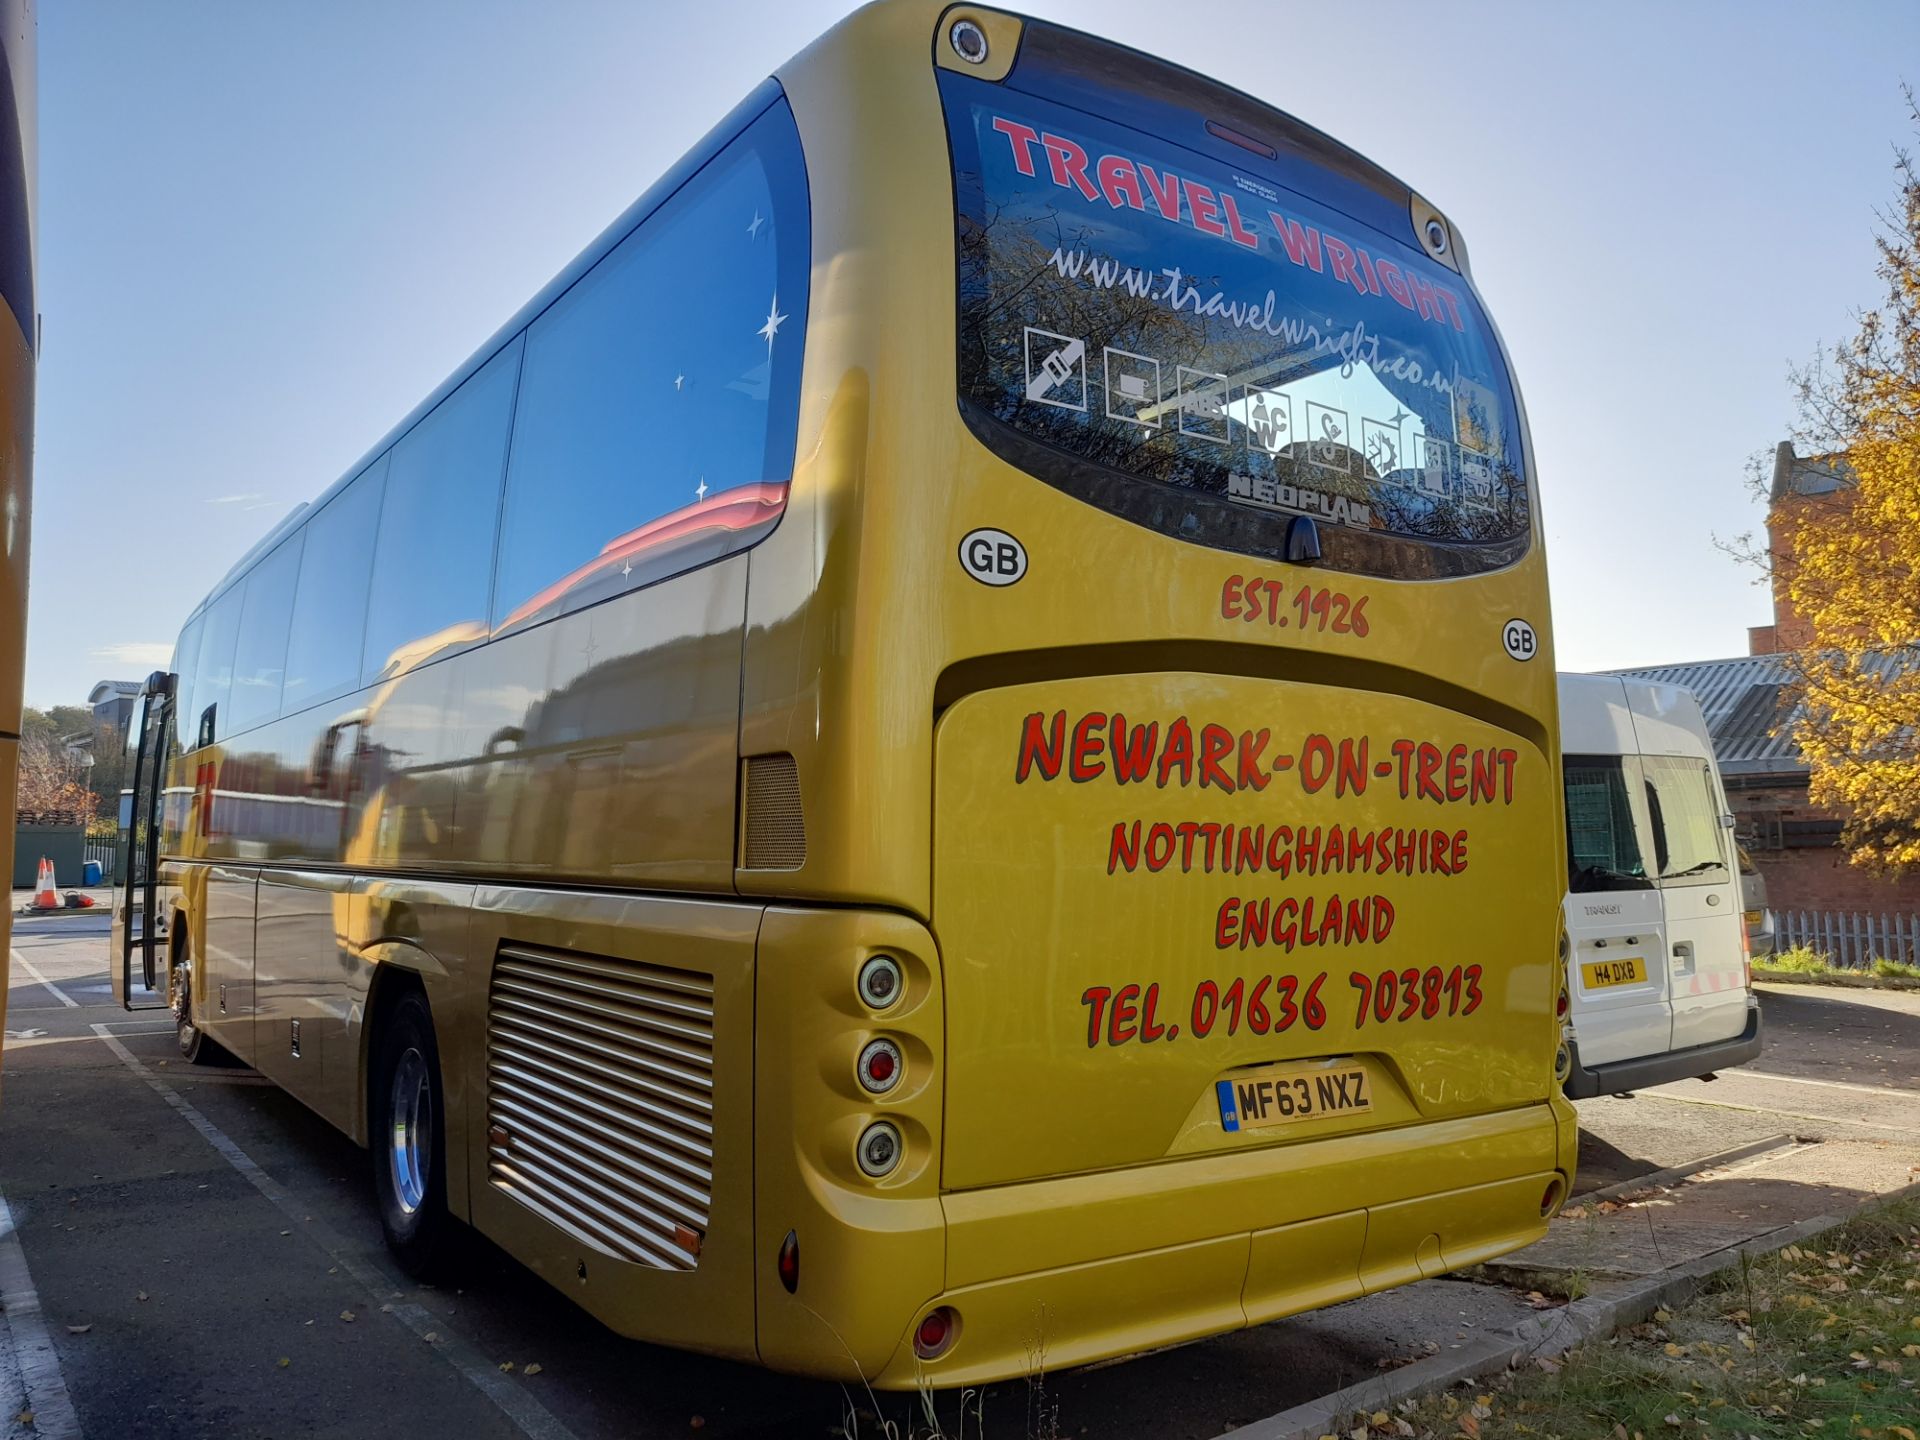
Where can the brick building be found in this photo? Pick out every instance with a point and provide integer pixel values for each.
(1805, 487)
(1749, 707)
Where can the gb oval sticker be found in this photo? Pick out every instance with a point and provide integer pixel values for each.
(993, 557)
(1518, 639)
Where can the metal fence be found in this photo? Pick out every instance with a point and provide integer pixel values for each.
(1854, 940)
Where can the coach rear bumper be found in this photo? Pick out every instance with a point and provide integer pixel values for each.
(1066, 1272)
(1621, 1076)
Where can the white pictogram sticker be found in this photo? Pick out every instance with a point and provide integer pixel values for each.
(1056, 369)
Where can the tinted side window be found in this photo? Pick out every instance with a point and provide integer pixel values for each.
(213, 676)
(260, 656)
(330, 607)
(1603, 847)
(434, 556)
(186, 659)
(660, 397)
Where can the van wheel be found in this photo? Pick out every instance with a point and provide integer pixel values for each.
(406, 1115)
(195, 1047)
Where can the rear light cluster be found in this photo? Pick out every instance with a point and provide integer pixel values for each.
(1563, 1004)
(935, 1333)
(1550, 1199)
(881, 1064)
(881, 983)
(1562, 1064)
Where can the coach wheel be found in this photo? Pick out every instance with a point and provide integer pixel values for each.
(407, 1119)
(195, 1047)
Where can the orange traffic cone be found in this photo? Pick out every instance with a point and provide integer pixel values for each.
(44, 898)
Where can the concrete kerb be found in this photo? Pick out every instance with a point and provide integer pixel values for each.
(1661, 1178)
(1542, 1336)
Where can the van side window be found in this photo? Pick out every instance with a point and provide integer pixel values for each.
(260, 657)
(433, 560)
(1685, 814)
(330, 607)
(660, 399)
(1603, 848)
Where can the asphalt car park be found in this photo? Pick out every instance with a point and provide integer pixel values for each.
(190, 1252)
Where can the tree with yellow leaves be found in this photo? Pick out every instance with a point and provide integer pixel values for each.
(1851, 566)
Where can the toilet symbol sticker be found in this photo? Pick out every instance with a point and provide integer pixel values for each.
(1133, 387)
(1056, 369)
(1269, 420)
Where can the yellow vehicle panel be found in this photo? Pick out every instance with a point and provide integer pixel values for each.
(1146, 885)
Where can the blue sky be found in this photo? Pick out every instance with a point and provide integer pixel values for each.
(268, 230)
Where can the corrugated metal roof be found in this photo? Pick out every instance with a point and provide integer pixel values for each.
(1749, 705)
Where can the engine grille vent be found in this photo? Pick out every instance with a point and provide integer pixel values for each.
(776, 837)
(600, 1100)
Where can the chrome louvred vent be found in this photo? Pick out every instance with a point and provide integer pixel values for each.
(600, 1099)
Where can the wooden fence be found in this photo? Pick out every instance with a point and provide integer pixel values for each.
(1854, 940)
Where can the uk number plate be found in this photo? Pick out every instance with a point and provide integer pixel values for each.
(1281, 1094)
(1627, 970)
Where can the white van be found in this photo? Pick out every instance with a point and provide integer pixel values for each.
(1657, 968)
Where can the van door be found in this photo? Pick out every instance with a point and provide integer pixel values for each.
(1706, 958)
(1617, 973)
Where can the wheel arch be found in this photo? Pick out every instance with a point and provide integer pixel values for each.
(401, 968)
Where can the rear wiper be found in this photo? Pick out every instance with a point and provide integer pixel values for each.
(1696, 869)
(1597, 877)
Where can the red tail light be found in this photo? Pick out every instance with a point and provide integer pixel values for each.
(880, 1066)
(1550, 1199)
(934, 1336)
(788, 1263)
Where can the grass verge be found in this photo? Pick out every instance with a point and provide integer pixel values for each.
(1801, 966)
(1817, 1340)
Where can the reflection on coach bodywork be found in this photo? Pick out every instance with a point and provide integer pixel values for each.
(619, 765)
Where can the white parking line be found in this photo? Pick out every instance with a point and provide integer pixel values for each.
(533, 1418)
(34, 970)
(1827, 1084)
(31, 1365)
(1907, 1130)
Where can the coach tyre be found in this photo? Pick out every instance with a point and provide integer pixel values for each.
(405, 1114)
(194, 1045)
